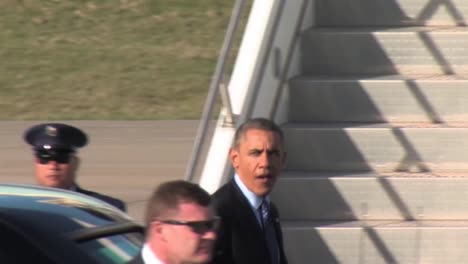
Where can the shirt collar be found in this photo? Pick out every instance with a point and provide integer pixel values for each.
(148, 256)
(254, 200)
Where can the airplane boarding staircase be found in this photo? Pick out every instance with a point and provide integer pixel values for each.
(377, 135)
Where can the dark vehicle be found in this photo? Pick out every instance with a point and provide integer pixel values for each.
(43, 225)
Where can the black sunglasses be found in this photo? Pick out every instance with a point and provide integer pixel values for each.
(62, 158)
(199, 227)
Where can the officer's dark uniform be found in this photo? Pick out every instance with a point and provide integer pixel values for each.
(53, 138)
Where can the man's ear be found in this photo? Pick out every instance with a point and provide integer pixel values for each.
(156, 230)
(234, 157)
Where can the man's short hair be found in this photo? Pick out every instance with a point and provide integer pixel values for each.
(256, 123)
(169, 195)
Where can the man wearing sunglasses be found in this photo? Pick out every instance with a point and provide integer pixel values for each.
(250, 232)
(55, 161)
(181, 225)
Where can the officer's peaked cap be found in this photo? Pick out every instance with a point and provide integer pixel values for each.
(55, 136)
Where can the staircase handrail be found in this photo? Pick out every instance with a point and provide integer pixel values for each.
(215, 87)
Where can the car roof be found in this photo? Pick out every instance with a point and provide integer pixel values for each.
(57, 217)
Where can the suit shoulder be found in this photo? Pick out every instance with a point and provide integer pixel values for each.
(223, 195)
(223, 199)
(108, 199)
(221, 192)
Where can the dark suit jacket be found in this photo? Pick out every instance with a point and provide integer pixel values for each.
(110, 200)
(137, 260)
(240, 238)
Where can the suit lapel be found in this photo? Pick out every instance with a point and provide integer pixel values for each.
(245, 215)
(247, 218)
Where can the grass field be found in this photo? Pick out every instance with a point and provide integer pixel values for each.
(108, 59)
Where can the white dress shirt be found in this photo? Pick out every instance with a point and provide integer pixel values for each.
(149, 257)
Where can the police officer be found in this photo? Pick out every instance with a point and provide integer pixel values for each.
(55, 162)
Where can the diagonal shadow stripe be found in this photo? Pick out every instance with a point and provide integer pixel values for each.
(412, 157)
(436, 53)
(424, 102)
(396, 199)
(383, 249)
(432, 6)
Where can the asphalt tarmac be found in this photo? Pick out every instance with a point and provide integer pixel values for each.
(124, 159)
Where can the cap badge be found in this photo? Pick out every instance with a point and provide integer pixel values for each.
(51, 131)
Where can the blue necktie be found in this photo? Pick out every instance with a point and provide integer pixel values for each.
(269, 231)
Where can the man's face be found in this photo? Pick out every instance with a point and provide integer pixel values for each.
(182, 243)
(55, 174)
(258, 160)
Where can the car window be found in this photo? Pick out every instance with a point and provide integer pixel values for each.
(15, 248)
(114, 249)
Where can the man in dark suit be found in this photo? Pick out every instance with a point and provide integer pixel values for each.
(250, 231)
(55, 161)
(181, 225)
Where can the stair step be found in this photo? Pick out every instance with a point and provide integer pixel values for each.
(333, 224)
(393, 98)
(376, 242)
(377, 139)
(371, 196)
(391, 13)
(374, 50)
(376, 147)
